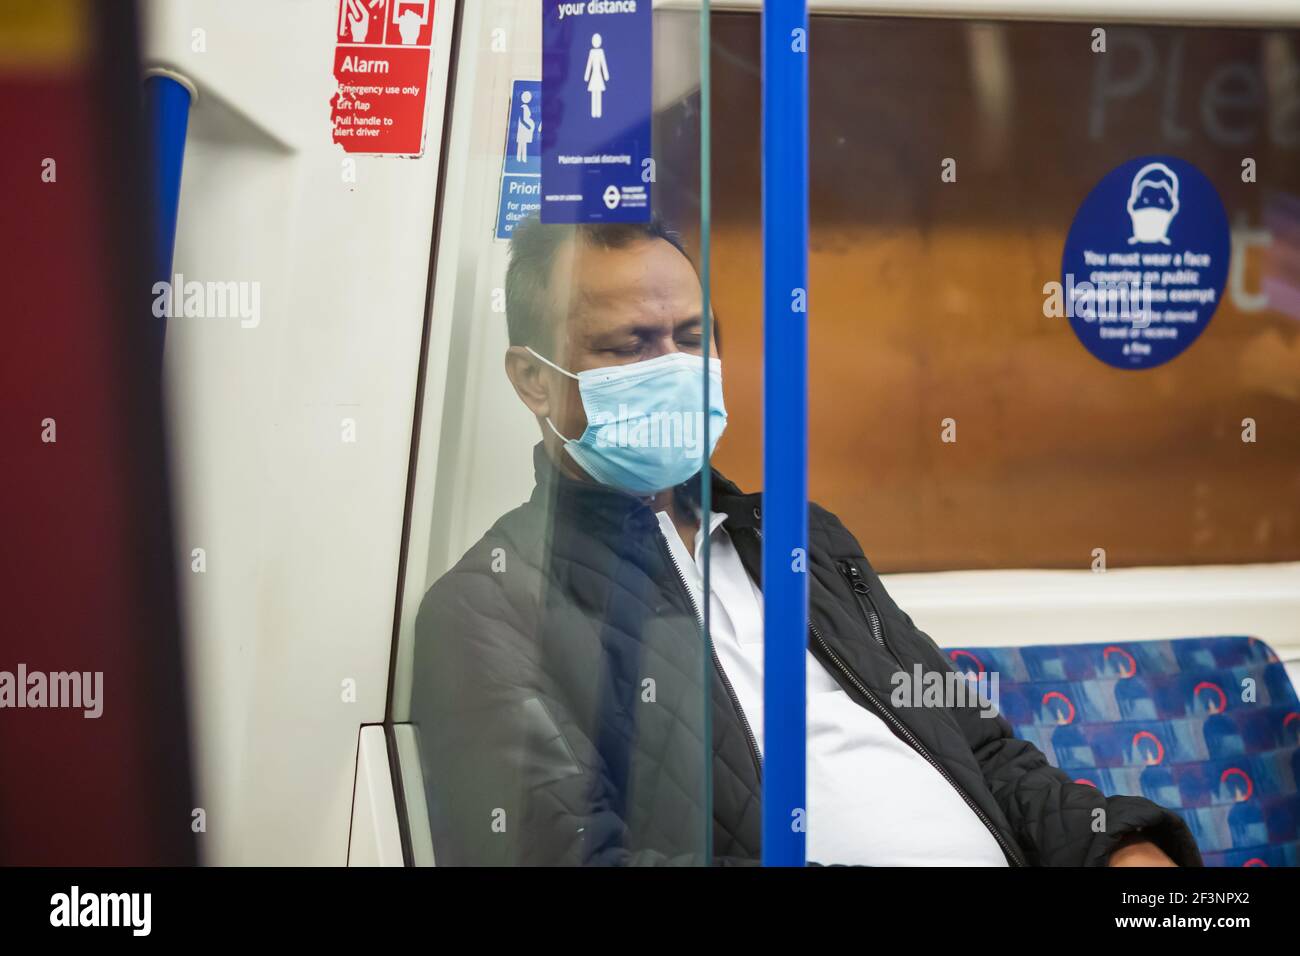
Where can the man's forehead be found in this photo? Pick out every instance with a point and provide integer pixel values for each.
(646, 278)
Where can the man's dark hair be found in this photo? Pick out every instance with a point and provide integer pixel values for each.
(533, 248)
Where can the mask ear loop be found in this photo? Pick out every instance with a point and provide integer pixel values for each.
(543, 358)
(538, 355)
(557, 431)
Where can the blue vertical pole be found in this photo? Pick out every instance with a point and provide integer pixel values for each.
(785, 427)
(706, 310)
(167, 115)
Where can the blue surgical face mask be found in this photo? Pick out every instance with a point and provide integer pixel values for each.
(645, 421)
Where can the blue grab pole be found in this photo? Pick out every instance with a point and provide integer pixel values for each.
(167, 114)
(785, 427)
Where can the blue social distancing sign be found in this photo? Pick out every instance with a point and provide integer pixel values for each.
(1145, 262)
(597, 65)
(521, 167)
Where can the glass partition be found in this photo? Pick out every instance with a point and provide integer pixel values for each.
(554, 694)
(968, 409)
(558, 674)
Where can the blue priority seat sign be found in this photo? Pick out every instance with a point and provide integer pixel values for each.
(596, 82)
(521, 165)
(1145, 262)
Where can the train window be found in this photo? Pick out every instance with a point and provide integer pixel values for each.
(552, 686)
(953, 424)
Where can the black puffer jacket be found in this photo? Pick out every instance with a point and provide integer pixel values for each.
(559, 697)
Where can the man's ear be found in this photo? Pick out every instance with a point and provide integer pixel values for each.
(525, 374)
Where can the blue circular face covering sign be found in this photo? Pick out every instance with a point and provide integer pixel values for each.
(1145, 262)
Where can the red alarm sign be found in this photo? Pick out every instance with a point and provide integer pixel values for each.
(381, 66)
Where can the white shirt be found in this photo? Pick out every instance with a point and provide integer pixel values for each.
(872, 799)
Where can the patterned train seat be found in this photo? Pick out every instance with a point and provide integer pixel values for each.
(1207, 726)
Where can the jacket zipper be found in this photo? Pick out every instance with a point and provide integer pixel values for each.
(889, 717)
(867, 605)
(717, 664)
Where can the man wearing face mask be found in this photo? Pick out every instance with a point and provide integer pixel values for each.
(561, 677)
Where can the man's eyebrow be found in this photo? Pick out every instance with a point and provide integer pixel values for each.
(680, 326)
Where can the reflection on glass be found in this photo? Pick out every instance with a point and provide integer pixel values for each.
(559, 683)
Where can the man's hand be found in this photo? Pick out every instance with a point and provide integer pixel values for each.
(1139, 853)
